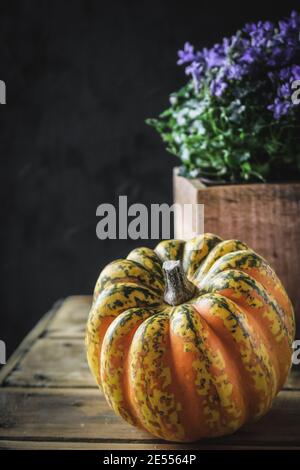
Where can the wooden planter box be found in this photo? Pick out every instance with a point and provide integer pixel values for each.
(265, 216)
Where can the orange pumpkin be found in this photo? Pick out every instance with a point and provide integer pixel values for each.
(192, 339)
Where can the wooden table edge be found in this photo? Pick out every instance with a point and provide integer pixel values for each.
(33, 444)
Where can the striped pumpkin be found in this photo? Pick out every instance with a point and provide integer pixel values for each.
(192, 339)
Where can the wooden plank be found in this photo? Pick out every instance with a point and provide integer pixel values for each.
(83, 416)
(68, 414)
(53, 363)
(57, 362)
(130, 446)
(33, 445)
(80, 417)
(70, 319)
(27, 342)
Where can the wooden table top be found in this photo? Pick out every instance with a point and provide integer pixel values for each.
(48, 398)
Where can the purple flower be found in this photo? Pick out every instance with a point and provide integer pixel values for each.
(284, 90)
(213, 57)
(218, 87)
(186, 55)
(236, 72)
(294, 20)
(283, 75)
(280, 108)
(283, 81)
(295, 72)
(195, 69)
(250, 55)
(268, 26)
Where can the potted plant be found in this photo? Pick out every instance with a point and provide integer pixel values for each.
(235, 125)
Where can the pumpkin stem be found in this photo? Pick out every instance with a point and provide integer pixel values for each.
(178, 288)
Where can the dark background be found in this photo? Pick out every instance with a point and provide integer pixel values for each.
(81, 78)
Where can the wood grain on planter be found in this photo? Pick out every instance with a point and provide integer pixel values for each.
(265, 216)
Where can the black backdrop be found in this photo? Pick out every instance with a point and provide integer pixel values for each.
(81, 78)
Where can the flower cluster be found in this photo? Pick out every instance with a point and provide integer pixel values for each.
(258, 46)
(283, 80)
(235, 119)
